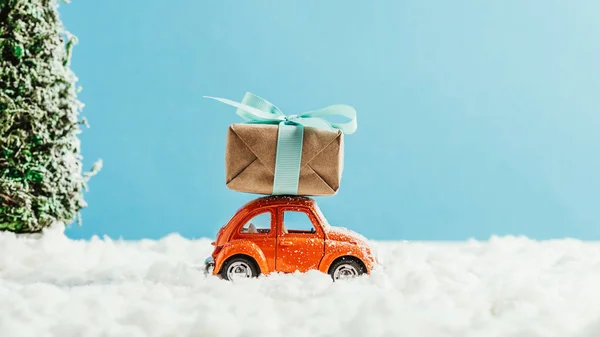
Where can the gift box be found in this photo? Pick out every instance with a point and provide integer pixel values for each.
(275, 154)
(250, 160)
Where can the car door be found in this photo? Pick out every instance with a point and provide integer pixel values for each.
(300, 240)
(260, 227)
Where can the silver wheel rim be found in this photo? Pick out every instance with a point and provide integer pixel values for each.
(345, 271)
(239, 269)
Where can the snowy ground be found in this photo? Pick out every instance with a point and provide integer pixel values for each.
(509, 286)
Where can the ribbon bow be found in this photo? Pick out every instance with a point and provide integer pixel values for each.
(256, 110)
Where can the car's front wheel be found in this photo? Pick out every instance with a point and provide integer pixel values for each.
(346, 268)
(239, 267)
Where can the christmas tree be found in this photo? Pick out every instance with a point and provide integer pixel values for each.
(41, 175)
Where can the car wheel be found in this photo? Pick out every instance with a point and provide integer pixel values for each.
(239, 267)
(346, 268)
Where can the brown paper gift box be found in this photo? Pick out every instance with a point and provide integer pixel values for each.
(250, 159)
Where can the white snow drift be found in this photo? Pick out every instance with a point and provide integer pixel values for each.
(508, 286)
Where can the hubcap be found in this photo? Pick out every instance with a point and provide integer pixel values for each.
(345, 271)
(239, 269)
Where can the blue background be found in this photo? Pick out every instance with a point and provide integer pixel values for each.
(475, 118)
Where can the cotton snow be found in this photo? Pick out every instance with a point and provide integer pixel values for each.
(506, 286)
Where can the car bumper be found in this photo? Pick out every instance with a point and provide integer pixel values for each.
(209, 265)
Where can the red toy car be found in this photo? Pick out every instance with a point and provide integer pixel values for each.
(286, 234)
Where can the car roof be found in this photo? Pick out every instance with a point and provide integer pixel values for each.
(279, 200)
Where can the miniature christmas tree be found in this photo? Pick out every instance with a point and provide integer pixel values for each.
(41, 179)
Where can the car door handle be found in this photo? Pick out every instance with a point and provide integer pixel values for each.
(285, 243)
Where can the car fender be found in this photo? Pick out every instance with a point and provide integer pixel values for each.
(336, 249)
(244, 247)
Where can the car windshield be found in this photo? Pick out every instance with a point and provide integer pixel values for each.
(322, 216)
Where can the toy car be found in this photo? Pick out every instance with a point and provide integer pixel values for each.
(286, 234)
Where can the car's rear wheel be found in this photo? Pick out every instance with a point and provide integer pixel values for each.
(239, 267)
(346, 268)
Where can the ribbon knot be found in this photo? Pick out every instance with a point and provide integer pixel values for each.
(290, 118)
(256, 110)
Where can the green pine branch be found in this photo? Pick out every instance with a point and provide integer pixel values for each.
(41, 178)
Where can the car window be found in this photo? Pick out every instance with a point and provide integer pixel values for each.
(297, 222)
(259, 224)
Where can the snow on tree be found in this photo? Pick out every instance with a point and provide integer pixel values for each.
(41, 178)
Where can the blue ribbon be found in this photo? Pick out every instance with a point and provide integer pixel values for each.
(256, 110)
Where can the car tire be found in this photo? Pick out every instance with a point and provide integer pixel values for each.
(239, 266)
(346, 268)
